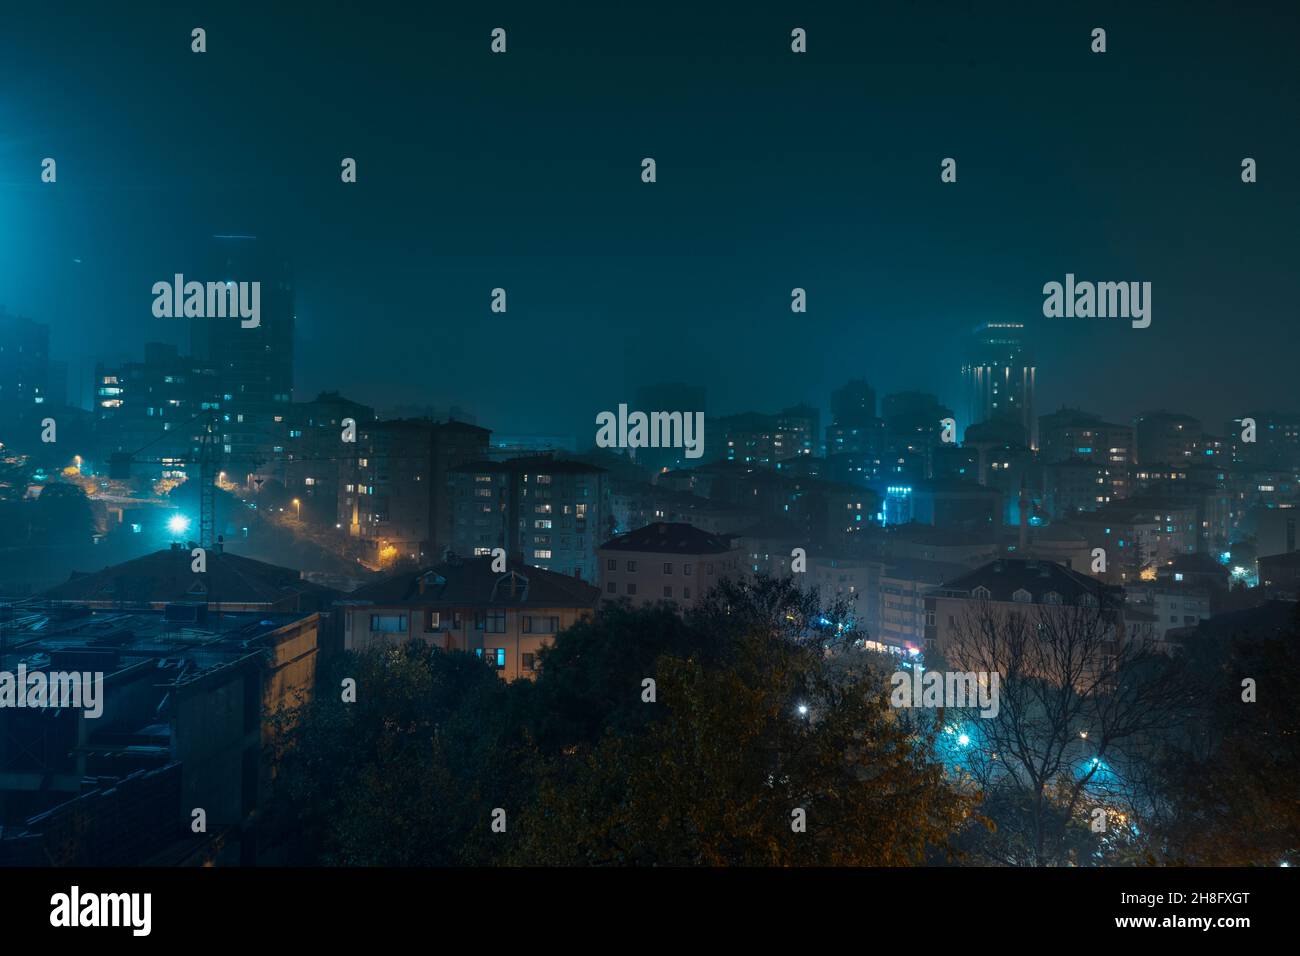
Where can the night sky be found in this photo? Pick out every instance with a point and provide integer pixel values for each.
(774, 170)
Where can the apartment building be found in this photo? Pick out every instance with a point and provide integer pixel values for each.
(462, 604)
(666, 561)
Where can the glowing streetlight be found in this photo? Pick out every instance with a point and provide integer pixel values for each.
(298, 504)
(178, 524)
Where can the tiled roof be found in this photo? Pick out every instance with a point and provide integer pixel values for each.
(1005, 576)
(168, 576)
(471, 582)
(664, 537)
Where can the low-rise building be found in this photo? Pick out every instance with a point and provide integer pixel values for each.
(462, 604)
(666, 561)
(188, 685)
(229, 582)
(1008, 586)
(1279, 576)
(902, 589)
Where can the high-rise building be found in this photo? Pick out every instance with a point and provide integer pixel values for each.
(1073, 434)
(912, 432)
(855, 439)
(315, 454)
(1276, 439)
(254, 364)
(24, 366)
(1166, 438)
(999, 377)
(394, 491)
(853, 404)
(548, 512)
(158, 407)
(753, 438)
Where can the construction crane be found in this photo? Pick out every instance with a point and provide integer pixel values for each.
(206, 457)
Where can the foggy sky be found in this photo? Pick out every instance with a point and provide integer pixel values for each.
(774, 171)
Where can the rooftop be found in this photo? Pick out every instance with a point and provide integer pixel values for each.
(540, 464)
(1007, 576)
(1290, 559)
(924, 534)
(471, 582)
(44, 637)
(664, 537)
(167, 576)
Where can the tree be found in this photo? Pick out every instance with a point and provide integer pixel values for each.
(759, 752)
(406, 773)
(1233, 784)
(769, 740)
(62, 516)
(1084, 709)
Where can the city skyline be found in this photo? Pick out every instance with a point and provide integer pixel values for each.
(655, 437)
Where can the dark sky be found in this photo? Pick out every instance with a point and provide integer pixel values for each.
(775, 171)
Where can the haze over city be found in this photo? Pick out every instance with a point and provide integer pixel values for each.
(774, 172)
(857, 439)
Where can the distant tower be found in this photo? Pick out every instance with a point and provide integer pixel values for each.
(999, 377)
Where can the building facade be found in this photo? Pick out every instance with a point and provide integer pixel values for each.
(549, 512)
(462, 604)
(666, 561)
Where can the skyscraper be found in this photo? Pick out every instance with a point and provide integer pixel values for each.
(254, 365)
(998, 377)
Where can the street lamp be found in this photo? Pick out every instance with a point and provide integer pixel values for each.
(298, 504)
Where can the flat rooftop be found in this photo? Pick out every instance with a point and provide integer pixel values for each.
(31, 634)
